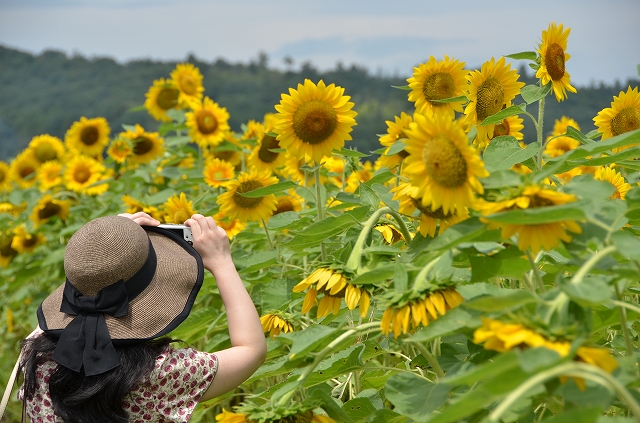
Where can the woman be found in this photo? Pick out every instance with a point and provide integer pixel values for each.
(100, 355)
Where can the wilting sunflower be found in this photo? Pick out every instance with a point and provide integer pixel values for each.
(410, 201)
(188, 80)
(389, 232)
(609, 174)
(46, 148)
(234, 205)
(218, 173)
(25, 241)
(23, 169)
(147, 146)
(509, 126)
(231, 226)
(442, 164)
(490, 89)
(134, 206)
(49, 175)
(228, 150)
(534, 236)
(7, 253)
(276, 322)
(395, 132)
(178, 209)
(161, 97)
(314, 120)
(120, 149)
(334, 285)
(552, 60)
(407, 314)
(49, 207)
(5, 177)
(437, 80)
(361, 175)
(88, 136)
(623, 115)
(82, 172)
(207, 123)
(289, 201)
(263, 157)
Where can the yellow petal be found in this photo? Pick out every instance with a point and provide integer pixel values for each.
(309, 300)
(364, 303)
(302, 285)
(385, 323)
(335, 278)
(430, 308)
(438, 301)
(337, 301)
(324, 308)
(338, 286)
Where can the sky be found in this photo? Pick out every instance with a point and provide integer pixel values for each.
(386, 37)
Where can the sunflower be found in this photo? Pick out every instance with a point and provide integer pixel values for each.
(442, 164)
(263, 156)
(437, 80)
(275, 322)
(161, 97)
(120, 149)
(290, 201)
(334, 285)
(188, 80)
(509, 126)
(623, 115)
(12, 209)
(207, 123)
(291, 413)
(82, 172)
(534, 236)
(218, 173)
(49, 175)
(228, 150)
(335, 167)
(47, 208)
(395, 132)
(147, 146)
(314, 120)
(88, 136)
(234, 205)
(556, 147)
(358, 176)
(231, 226)
(46, 148)
(7, 252)
(23, 169)
(402, 317)
(5, 177)
(177, 209)
(552, 60)
(229, 417)
(25, 241)
(490, 89)
(293, 170)
(389, 232)
(134, 206)
(609, 174)
(253, 131)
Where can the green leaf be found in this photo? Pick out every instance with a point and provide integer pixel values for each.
(506, 264)
(453, 321)
(402, 87)
(458, 99)
(176, 141)
(501, 179)
(400, 278)
(524, 55)
(380, 178)
(270, 189)
(368, 196)
(501, 303)
(580, 414)
(377, 276)
(503, 114)
(415, 396)
(282, 220)
(536, 359)
(256, 261)
(308, 340)
(499, 365)
(532, 93)
(577, 135)
(359, 408)
(538, 215)
(396, 148)
(322, 230)
(464, 231)
(160, 197)
(627, 244)
(352, 153)
(504, 151)
(387, 416)
(591, 291)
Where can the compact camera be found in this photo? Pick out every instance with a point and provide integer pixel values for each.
(180, 230)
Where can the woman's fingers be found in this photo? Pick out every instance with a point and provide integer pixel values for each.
(141, 218)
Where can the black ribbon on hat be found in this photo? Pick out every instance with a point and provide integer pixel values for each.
(86, 342)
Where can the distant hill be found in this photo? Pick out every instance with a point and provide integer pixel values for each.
(48, 92)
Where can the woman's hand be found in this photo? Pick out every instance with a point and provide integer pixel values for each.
(211, 242)
(141, 218)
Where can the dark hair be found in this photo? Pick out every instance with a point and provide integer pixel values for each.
(78, 398)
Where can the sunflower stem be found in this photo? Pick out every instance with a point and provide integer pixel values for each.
(266, 231)
(316, 173)
(623, 321)
(539, 131)
(421, 278)
(536, 272)
(353, 262)
(589, 264)
(431, 359)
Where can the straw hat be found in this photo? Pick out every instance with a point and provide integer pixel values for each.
(136, 283)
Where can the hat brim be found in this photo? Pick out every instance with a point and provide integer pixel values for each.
(163, 305)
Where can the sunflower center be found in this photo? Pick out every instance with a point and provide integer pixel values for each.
(314, 121)
(81, 175)
(50, 209)
(626, 120)
(25, 171)
(207, 122)
(181, 216)
(29, 241)
(188, 84)
(490, 98)
(501, 128)
(246, 202)
(444, 162)
(268, 143)
(3, 176)
(554, 61)
(403, 154)
(142, 146)
(89, 135)
(45, 152)
(436, 214)
(540, 202)
(438, 86)
(167, 98)
(5, 248)
(284, 205)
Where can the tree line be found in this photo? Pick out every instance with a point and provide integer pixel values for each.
(46, 93)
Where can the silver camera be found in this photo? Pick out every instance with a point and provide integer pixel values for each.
(180, 230)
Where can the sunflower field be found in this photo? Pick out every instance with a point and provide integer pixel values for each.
(459, 273)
